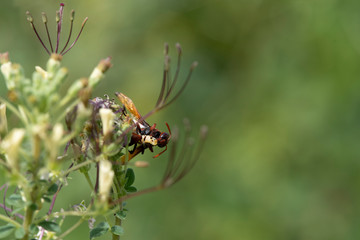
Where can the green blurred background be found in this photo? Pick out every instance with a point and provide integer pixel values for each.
(277, 84)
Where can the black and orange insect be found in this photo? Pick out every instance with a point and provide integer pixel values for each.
(145, 135)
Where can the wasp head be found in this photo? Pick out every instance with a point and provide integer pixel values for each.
(163, 139)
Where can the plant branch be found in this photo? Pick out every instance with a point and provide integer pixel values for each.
(9, 220)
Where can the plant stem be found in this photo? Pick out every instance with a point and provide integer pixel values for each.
(66, 213)
(118, 223)
(88, 179)
(71, 228)
(9, 220)
(28, 219)
(80, 165)
(118, 187)
(10, 210)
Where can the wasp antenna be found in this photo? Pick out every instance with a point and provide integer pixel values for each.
(72, 17)
(45, 20)
(168, 127)
(31, 21)
(82, 28)
(59, 18)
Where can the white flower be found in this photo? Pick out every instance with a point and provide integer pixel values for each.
(42, 72)
(58, 132)
(3, 119)
(11, 146)
(106, 176)
(6, 69)
(107, 118)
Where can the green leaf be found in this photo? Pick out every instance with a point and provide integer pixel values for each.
(99, 230)
(117, 230)
(6, 230)
(52, 189)
(50, 226)
(15, 200)
(130, 177)
(33, 206)
(46, 199)
(131, 189)
(121, 214)
(33, 229)
(19, 233)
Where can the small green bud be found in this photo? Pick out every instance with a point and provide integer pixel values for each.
(57, 16)
(99, 71)
(29, 17)
(111, 150)
(72, 15)
(83, 114)
(53, 64)
(44, 17)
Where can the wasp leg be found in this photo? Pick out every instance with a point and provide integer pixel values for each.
(153, 127)
(160, 153)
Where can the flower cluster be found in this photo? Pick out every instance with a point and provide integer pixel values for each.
(100, 138)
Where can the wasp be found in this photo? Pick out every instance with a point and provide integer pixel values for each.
(145, 135)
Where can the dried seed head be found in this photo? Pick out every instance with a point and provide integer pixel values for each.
(59, 20)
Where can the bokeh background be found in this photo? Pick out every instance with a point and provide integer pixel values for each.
(277, 84)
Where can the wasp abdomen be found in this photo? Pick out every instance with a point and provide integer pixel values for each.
(149, 139)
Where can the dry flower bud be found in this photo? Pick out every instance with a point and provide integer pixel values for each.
(104, 64)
